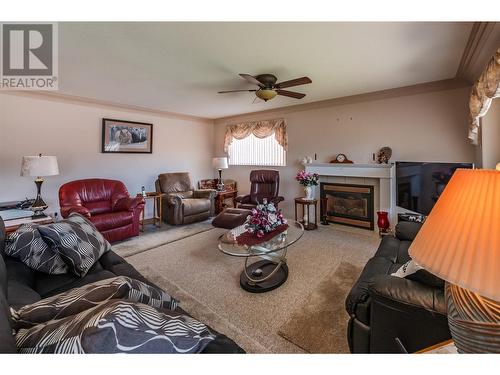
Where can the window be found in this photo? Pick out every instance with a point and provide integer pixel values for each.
(256, 151)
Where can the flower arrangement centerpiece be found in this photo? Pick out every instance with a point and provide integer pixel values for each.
(308, 180)
(264, 222)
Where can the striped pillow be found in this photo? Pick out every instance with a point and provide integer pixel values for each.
(88, 296)
(116, 327)
(77, 241)
(27, 245)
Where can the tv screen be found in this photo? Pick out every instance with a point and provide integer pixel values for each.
(419, 184)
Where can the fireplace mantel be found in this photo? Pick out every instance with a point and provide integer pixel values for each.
(383, 172)
(350, 170)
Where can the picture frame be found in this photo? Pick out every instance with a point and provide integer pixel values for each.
(126, 137)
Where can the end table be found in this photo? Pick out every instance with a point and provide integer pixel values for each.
(306, 203)
(157, 209)
(221, 197)
(13, 225)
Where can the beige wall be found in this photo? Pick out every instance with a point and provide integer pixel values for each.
(72, 132)
(429, 126)
(425, 127)
(490, 136)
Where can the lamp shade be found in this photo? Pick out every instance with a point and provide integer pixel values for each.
(219, 163)
(460, 240)
(39, 166)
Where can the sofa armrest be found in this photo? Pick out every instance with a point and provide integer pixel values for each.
(205, 193)
(410, 311)
(128, 204)
(68, 210)
(408, 292)
(174, 199)
(243, 198)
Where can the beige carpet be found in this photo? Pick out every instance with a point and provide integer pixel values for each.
(207, 283)
(153, 237)
(319, 325)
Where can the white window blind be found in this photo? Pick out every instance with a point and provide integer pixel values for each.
(256, 151)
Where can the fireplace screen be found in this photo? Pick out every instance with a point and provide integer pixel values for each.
(347, 204)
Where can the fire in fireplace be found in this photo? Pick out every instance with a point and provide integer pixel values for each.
(348, 204)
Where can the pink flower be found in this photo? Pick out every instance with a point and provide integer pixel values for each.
(260, 233)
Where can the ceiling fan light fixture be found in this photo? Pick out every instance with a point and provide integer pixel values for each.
(266, 94)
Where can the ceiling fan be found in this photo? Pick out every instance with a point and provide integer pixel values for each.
(268, 88)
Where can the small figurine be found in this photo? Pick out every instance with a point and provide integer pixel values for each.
(383, 155)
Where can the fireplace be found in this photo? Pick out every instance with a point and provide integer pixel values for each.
(347, 204)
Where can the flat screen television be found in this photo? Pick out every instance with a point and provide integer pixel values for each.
(419, 184)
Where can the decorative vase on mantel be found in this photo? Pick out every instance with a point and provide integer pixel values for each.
(309, 193)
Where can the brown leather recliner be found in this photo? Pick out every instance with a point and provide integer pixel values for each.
(183, 204)
(265, 184)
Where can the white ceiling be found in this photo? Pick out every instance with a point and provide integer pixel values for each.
(179, 67)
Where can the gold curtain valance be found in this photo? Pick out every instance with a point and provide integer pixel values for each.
(261, 129)
(484, 90)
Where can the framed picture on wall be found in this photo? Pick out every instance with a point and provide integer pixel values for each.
(119, 136)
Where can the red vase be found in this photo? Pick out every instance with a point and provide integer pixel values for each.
(383, 221)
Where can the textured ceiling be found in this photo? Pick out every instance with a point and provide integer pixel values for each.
(179, 67)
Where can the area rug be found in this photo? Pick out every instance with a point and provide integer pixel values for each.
(319, 325)
(154, 237)
(207, 283)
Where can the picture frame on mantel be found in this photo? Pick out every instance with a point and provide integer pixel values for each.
(126, 137)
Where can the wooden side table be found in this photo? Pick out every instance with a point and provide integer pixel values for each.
(221, 197)
(157, 209)
(445, 347)
(306, 203)
(13, 225)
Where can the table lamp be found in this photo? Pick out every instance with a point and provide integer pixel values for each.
(220, 164)
(460, 242)
(39, 166)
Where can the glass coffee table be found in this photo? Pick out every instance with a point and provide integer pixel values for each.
(271, 271)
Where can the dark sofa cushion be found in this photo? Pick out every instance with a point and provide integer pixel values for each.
(407, 230)
(7, 343)
(393, 249)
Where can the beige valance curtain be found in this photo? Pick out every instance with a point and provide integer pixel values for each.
(261, 129)
(484, 91)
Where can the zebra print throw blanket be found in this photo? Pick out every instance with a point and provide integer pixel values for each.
(116, 327)
(88, 296)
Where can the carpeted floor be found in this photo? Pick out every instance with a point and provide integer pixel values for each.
(154, 237)
(207, 283)
(319, 325)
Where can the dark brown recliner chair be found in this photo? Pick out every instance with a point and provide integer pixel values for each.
(183, 204)
(265, 184)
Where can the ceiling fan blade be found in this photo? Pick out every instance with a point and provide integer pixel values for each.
(294, 82)
(291, 94)
(225, 92)
(251, 79)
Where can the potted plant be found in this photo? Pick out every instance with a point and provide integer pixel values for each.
(308, 180)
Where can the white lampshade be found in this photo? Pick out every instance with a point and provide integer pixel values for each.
(39, 166)
(219, 163)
